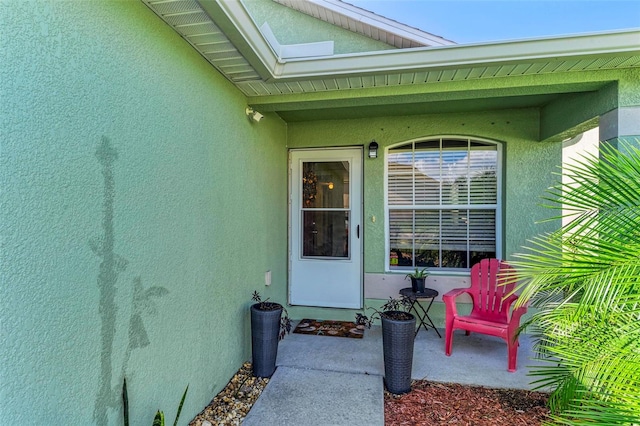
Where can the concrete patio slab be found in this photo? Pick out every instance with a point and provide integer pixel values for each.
(323, 380)
(475, 360)
(301, 397)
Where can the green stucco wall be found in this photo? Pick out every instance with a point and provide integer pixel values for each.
(528, 165)
(139, 210)
(629, 92)
(292, 27)
(528, 169)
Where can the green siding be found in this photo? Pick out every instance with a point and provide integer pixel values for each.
(126, 160)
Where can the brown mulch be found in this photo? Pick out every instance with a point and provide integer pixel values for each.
(428, 403)
(431, 403)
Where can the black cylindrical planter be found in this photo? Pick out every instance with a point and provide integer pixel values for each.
(397, 345)
(417, 285)
(265, 327)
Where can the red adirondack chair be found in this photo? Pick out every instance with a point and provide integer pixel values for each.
(490, 314)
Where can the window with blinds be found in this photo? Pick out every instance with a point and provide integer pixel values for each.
(442, 200)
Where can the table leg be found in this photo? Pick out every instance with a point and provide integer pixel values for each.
(423, 316)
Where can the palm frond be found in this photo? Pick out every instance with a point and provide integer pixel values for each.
(585, 281)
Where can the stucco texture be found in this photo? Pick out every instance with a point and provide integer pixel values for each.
(135, 193)
(528, 168)
(528, 165)
(292, 27)
(139, 207)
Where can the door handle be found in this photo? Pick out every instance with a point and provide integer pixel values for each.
(358, 231)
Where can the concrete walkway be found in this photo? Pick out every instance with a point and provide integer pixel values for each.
(324, 381)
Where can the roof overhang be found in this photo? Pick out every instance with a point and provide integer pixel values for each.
(404, 81)
(234, 18)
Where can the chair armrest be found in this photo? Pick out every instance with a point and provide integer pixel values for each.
(514, 320)
(449, 299)
(509, 301)
(456, 292)
(517, 313)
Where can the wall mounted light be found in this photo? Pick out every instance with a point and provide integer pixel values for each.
(253, 114)
(373, 149)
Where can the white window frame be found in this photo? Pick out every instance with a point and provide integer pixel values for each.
(499, 201)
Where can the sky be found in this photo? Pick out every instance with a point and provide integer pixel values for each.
(477, 21)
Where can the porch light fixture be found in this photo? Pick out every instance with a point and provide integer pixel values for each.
(373, 149)
(253, 114)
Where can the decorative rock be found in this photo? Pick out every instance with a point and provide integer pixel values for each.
(233, 403)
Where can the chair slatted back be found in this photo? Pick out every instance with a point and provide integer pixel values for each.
(487, 278)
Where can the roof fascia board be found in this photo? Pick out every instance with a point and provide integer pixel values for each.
(456, 56)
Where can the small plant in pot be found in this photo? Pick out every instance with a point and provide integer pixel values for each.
(398, 333)
(268, 326)
(418, 278)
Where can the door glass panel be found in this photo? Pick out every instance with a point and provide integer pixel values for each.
(325, 185)
(325, 234)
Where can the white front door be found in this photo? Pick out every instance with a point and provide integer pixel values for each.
(325, 258)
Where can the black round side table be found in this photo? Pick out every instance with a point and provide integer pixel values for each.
(422, 314)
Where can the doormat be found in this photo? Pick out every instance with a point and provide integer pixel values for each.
(330, 328)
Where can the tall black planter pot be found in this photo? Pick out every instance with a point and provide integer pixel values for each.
(265, 327)
(397, 344)
(417, 285)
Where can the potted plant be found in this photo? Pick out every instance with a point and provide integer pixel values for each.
(417, 279)
(398, 333)
(268, 326)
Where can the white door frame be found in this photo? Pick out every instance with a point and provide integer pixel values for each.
(323, 280)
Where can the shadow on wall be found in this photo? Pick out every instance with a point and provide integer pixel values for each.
(142, 300)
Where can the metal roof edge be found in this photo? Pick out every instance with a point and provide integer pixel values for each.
(625, 42)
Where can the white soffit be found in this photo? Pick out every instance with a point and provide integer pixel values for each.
(189, 20)
(367, 23)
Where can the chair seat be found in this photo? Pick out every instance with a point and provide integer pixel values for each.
(461, 319)
(471, 323)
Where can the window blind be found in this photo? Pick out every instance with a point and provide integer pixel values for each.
(442, 197)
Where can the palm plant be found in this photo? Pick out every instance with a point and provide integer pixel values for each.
(584, 279)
